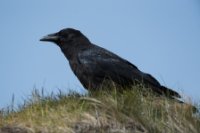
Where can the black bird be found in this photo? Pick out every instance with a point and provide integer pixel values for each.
(93, 64)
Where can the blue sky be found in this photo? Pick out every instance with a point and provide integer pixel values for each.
(160, 37)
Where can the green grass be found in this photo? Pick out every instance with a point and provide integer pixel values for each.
(102, 111)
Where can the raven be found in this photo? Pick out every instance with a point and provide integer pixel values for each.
(93, 64)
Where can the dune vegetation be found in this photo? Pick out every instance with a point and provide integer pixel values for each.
(105, 111)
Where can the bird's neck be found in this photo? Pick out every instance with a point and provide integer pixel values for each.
(71, 51)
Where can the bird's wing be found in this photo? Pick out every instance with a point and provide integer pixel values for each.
(100, 63)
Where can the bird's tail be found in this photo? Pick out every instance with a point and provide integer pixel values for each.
(170, 92)
(176, 96)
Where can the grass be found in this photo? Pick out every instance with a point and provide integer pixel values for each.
(103, 111)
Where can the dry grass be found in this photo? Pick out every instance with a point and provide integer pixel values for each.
(103, 111)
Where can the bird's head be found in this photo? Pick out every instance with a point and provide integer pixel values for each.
(65, 37)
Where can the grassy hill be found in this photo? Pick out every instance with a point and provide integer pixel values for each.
(130, 111)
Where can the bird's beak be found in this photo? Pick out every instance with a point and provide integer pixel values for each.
(50, 38)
